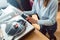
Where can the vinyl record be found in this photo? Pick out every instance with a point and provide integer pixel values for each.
(15, 28)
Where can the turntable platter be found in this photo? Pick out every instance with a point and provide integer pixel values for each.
(15, 28)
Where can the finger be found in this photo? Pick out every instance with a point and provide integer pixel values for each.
(27, 18)
(30, 20)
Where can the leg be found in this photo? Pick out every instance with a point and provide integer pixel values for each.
(51, 31)
(43, 30)
(52, 36)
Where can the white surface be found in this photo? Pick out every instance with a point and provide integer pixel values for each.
(8, 10)
(3, 3)
(8, 13)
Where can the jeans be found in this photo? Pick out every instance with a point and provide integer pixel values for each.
(14, 3)
(50, 30)
(25, 4)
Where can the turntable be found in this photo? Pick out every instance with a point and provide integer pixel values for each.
(14, 28)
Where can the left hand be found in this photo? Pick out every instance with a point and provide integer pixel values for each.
(30, 19)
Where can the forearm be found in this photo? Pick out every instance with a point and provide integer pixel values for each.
(46, 22)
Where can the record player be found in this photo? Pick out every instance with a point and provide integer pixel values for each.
(14, 27)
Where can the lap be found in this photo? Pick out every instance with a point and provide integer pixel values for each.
(50, 29)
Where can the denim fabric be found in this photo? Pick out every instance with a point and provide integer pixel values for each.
(50, 30)
(26, 5)
(14, 3)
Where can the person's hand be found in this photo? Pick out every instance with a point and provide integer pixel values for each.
(30, 19)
